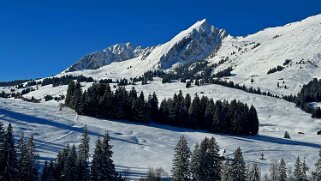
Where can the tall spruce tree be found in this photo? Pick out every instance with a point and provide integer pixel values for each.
(238, 170)
(96, 165)
(70, 168)
(83, 170)
(298, 174)
(213, 161)
(282, 176)
(195, 164)
(180, 164)
(108, 166)
(253, 121)
(317, 172)
(10, 157)
(254, 173)
(70, 93)
(2, 147)
(226, 171)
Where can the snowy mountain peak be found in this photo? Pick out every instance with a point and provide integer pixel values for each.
(114, 53)
(193, 44)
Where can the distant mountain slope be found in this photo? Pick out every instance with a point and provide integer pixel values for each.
(193, 44)
(253, 56)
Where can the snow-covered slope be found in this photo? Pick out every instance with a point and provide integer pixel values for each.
(138, 147)
(115, 53)
(194, 44)
(251, 57)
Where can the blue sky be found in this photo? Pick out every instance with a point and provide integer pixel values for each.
(41, 38)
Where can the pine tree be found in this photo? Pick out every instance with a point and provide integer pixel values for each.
(274, 171)
(70, 168)
(108, 167)
(10, 157)
(195, 164)
(213, 161)
(96, 165)
(305, 169)
(317, 172)
(298, 170)
(70, 93)
(45, 171)
(253, 122)
(282, 171)
(180, 164)
(83, 170)
(226, 171)
(22, 161)
(254, 173)
(2, 147)
(238, 170)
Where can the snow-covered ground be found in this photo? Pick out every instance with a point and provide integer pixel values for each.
(138, 147)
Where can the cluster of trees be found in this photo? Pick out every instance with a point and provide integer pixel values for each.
(206, 164)
(73, 164)
(275, 69)
(197, 113)
(20, 161)
(310, 92)
(204, 113)
(64, 80)
(12, 83)
(17, 162)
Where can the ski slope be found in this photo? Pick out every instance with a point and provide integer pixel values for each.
(138, 147)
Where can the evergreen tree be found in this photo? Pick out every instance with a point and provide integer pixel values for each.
(305, 169)
(2, 148)
(298, 170)
(108, 166)
(83, 170)
(253, 122)
(153, 106)
(213, 161)
(70, 168)
(317, 172)
(254, 173)
(282, 171)
(238, 170)
(70, 93)
(180, 168)
(194, 111)
(195, 164)
(96, 166)
(226, 171)
(10, 157)
(45, 171)
(274, 171)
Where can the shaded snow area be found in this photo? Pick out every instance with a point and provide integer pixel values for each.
(138, 147)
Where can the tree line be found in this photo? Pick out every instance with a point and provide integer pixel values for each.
(20, 162)
(197, 113)
(205, 163)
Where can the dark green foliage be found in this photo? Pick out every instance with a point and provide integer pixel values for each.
(102, 167)
(199, 113)
(206, 161)
(10, 169)
(276, 69)
(12, 83)
(310, 92)
(48, 98)
(286, 135)
(238, 170)
(180, 168)
(65, 80)
(224, 73)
